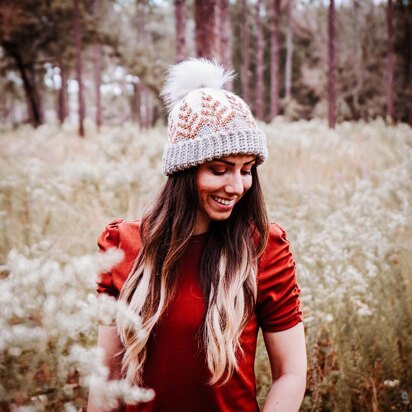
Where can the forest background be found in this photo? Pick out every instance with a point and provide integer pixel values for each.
(81, 139)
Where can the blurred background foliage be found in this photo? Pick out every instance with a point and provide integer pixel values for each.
(127, 45)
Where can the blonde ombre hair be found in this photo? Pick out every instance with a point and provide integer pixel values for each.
(227, 273)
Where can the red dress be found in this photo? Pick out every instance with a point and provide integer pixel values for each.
(176, 365)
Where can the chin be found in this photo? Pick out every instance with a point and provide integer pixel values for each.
(219, 217)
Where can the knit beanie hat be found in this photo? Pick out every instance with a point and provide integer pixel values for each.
(205, 121)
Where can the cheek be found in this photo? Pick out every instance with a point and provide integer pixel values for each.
(248, 183)
(203, 187)
(206, 183)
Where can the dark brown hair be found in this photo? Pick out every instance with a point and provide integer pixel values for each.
(227, 271)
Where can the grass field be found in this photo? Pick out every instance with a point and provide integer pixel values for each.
(344, 198)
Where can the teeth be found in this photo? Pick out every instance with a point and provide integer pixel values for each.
(223, 201)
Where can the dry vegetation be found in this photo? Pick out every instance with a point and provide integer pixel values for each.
(344, 198)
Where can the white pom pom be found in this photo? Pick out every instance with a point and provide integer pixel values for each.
(193, 74)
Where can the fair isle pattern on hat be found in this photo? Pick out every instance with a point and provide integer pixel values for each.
(207, 122)
(214, 116)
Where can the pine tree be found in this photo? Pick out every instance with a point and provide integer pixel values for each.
(17, 31)
(245, 52)
(331, 66)
(259, 62)
(289, 51)
(97, 64)
(274, 59)
(62, 108)
(79, 71)
(389, 65)
(180, 20)
(142, 41)
(225, 48)
(205, 28)
(410, 86)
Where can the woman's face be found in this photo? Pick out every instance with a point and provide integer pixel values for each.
(221, 183)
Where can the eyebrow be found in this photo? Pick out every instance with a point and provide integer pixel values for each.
(233, 164)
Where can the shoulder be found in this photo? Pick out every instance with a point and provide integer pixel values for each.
(277, 245)
(120, 234)
(276, 232)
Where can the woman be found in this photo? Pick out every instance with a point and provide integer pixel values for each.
(204, 269)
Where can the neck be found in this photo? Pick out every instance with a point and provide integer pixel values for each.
(201, 225)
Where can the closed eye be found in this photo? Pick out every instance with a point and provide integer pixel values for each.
(222, 172)
(218, 172)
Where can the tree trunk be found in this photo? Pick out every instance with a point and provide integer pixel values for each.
(97, 57)
(97, 82)
(149, 110)
(245, 52)
(77, 36)
(260, 44)
(225, 48)
(289, 52)
(155, 115)
(143, 109)
(389, 67)
(274, 60)
(141, 20)
(62, 96)
(410, 85)
(136, 103)
(224, 38)
(27, 74)
(331, 66)
(205, 28)
(142, 41)
(180, 17)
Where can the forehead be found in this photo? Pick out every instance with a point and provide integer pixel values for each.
(238, 158)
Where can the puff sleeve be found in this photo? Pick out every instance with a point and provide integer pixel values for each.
(123, 235)
(278, 303)
(108, 239)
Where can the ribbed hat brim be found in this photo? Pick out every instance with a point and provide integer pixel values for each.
(188, 153)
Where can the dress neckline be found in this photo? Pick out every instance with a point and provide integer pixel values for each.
(200, 236)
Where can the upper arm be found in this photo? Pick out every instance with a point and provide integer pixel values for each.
(109, 341)
(287, 351)
(278, 303)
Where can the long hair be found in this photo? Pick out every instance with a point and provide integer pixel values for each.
(228, 270)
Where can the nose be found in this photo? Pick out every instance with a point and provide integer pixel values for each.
(235, 184)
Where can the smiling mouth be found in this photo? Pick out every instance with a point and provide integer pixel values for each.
(224, 202)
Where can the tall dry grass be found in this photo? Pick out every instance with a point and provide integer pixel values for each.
(343, 196)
